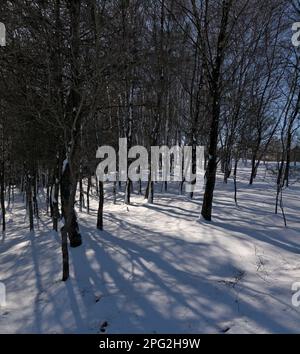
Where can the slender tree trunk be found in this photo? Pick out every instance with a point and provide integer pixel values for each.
(214, 128)
(100, 207)
(65, 253)
(88, 191)
(115, 192)
(9, 194)
(35, 202)
(48, 199)
(235, 181)
(81, 197)
(2, 195)
(29, 201)
(288, 158)
(279, 184)
(55, 207)
(227, 167)
(73, 109)
(128, 191)
(147, 189)
(253, 170)
(151, 192)
(68, 192)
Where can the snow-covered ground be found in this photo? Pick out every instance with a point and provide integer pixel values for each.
(159, 268)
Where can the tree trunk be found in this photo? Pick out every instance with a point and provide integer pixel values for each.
(88, 190)
(65, 253)
(150, 192)
(48, 199)
(288, 158)
(55, 208)
(2, 195)
(279, 184)
(81, 197)
(115, 192)
(235, 182)
(68, 191)
(215, 87)
(29, 201)
(35, 202)
(128, 191)
(253, 170)
(100, 207)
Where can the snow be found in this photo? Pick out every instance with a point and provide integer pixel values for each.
(159, 268)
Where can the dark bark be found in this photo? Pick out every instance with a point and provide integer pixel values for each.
(9, 195)
(214, 128)
(81, 196)
(55, 207)
(29, 201)
(68, 191)
(73, 117)
(115, 192)
(253, 170)
(279, 183)
(235, 182)
(100, 207)
(65, 253)
(35, 202)
(2, 196)
(48, 199)
(227, 166)
(88, 191)
(147, 189)
(288, 158)
(151, 192)
(128, 191)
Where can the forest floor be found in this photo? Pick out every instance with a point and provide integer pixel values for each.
(159, 268)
